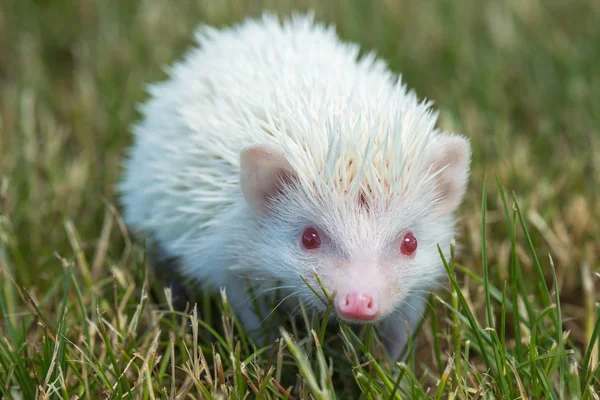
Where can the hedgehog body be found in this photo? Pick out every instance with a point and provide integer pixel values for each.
(274, 152)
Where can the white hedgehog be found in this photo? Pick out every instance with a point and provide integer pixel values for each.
(274, 153)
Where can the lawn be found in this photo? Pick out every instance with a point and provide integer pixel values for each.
(516, 319)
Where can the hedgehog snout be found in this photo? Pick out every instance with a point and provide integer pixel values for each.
(357, 306)
(361, 291)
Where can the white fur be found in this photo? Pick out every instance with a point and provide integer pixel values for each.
(346, 126)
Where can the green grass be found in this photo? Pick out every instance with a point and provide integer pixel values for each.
(519, 319)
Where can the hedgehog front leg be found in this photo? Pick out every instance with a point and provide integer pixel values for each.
(243, 305)
(393, 329)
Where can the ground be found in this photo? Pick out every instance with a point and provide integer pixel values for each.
(520, 79)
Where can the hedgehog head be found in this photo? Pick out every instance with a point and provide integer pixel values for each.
(371, 238)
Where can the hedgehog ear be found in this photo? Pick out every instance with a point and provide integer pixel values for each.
(264, 170)
(450, 157)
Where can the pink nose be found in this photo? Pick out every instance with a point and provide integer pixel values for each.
(358, 306)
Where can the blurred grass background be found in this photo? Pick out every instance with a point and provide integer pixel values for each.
(520, 78)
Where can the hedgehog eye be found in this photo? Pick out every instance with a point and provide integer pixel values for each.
(409, 244)
(311, 239)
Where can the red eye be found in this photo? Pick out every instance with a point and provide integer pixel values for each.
(311, 239)
(409, 244)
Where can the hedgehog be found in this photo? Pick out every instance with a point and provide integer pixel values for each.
(277, 157)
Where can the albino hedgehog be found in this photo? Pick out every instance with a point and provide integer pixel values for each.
(275, 152)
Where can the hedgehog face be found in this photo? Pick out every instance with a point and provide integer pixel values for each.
(370, 252)
(369, 258)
